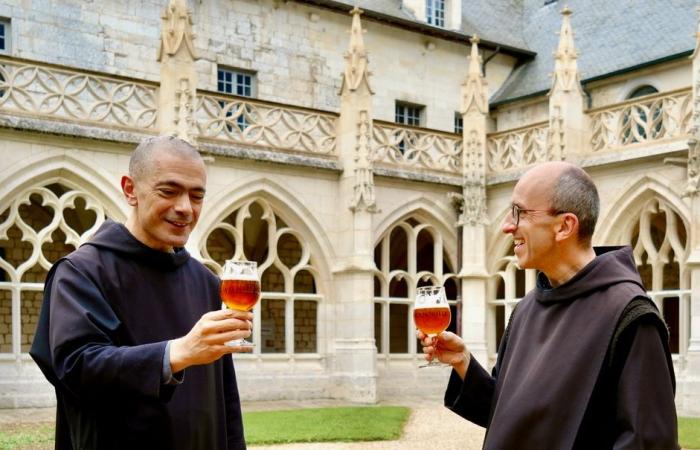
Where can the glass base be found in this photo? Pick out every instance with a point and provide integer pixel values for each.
(433, 363)
(240, 343)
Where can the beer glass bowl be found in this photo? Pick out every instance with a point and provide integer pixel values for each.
(240, 290)
(431, 314)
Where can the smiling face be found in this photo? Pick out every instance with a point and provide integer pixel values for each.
(534, 236)
(167, 199)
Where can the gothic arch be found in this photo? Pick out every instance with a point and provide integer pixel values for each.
(67, 169)
(429, 212)
(617, 217)
(284, 203)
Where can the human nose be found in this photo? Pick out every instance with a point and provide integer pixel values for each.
(508, 225)
(183, 205)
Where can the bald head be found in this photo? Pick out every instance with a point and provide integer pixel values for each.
(141, 162)
(570, 189)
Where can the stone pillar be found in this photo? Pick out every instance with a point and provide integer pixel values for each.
(354, 368)
(689, 384)
(473, 217)
(567, 122)
(178, 77)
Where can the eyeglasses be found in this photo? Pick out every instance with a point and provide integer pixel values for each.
(515, 211)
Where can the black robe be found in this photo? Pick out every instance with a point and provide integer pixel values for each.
(109, 309)
(585, 365)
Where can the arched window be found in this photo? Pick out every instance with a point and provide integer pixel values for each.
(643, 120)
(40, 225)
(660, 244)
(286, 318)
(507, 286)
(409, 255)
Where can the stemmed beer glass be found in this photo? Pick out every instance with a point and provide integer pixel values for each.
(240, 290)
(431, 314)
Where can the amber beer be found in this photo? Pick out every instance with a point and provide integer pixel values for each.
(432, 320)
(240, 294)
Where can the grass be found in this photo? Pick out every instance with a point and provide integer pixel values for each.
(301, 425)
(689, 432)
(25, 436)
(325, 425)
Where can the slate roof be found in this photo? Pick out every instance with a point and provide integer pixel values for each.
(609, 36)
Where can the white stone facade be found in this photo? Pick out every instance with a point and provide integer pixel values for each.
(345, 211)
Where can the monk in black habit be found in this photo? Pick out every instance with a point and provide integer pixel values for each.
(131, 332)
(584, 362)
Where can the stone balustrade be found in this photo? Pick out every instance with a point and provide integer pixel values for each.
(655, 117)
(412, 148)
(35, 89)
(517, 148)
(253, 122)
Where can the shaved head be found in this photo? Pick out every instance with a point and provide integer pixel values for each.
(141, 162)
(570, 189)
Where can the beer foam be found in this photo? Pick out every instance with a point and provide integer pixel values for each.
(432, 305)
(240, 276)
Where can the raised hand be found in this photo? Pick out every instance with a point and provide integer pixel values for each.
(206, 341)
(447, 348)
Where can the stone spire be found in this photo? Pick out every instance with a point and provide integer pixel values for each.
(693, 186)
(566, 76)
(567, 126)
(474, 111)
(356, 57)
(177, 30)
(177, 95)
(474, 94)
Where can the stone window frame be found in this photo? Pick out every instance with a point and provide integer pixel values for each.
(458, 123)
(435, 11)
(239, 82)
(413, 278)
(407, 113)
(659, 258)
(290, 298)
(5, 36)
(16, 284)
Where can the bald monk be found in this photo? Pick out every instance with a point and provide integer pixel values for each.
(131, 331)
(584, 362)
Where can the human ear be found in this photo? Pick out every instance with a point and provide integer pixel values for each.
(129, 190)
(567, 227)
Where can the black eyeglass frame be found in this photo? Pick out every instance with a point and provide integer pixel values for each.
(515, 211)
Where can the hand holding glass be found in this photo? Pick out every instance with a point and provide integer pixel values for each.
(240, 290)
(431, 314)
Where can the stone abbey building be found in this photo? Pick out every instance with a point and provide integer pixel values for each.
(356, 151)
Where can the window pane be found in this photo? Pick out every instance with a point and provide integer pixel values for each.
(377, 326)
(30, 304)
(670, 306)
(272, 326)
(398, 328)
(5, 321)
(305, 326)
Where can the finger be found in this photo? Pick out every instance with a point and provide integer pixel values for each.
(222, 338)
(420, 335)
(221, 326)
(219, 314)
(428, 349)
(241, 315)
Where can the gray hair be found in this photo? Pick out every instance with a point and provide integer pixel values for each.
(575, 192)
(142, 158)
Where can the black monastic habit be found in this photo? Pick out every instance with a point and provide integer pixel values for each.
(585, 365)
(109, 309)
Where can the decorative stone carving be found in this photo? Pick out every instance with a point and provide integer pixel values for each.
(177, 30)
(186, 125)
(566, 76)
(364, 177)
(555, 135)
(356, 71)
(474, 94)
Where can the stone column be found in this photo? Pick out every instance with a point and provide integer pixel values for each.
(178, 78)
(472, 202)
(354, 368)
(689, 390)
(567, 122)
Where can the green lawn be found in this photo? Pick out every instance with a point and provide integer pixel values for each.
(302, 425)
(372, 423)
(689, 432)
